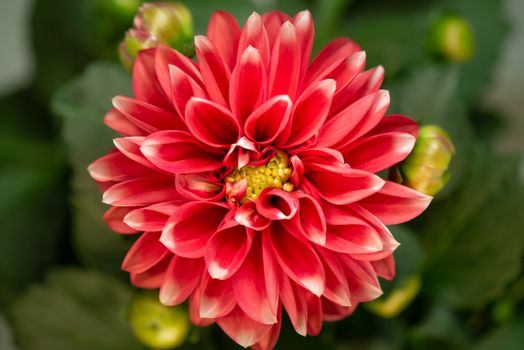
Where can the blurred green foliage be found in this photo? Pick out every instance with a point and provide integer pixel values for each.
(468, 248)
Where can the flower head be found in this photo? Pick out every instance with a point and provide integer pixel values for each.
(252, 173)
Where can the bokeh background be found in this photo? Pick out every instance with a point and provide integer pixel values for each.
(460, 283)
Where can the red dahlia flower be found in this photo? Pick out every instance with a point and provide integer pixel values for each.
(251, 173)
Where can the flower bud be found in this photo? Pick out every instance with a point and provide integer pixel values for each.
(133, 42)
(156, 325)
(426, 168)
(451, 38)
(168, 23)
(397, 300)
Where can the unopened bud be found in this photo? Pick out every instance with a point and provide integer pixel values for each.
(451, 38)
(426, 168)
(168, 23)
(133, 42)
(156, 325)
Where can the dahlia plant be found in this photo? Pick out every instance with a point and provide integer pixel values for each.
(250, 177)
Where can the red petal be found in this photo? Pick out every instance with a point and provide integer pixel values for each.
(353, 239)
(248, 84)
(114, 218)
(182, 277)
(254, 34)
(310, 112)
(342, 185)
(242, 329)
(211, 123)
(396, 123)
(194, 309)
(362, 279)
(191, 226)
(250, 288)
(294, 300)
(385, 268)
(183, 87)
(348, 69)
(340, 129)
(269, 341)
(198, 187)
(303, 22)
(314, 315)
(285, 63)
(269, 121)
(216, 298)
(337, 289)
(167, 57)
(329, 58)
(130, 147)
(248, 216)
(395, 204)
(226, 251)
(215, 72)
(224, 32)
(146, 252)
(179, 152)
(147, 116)
(140, 192)
(378, 152)
(119, 123)
(309, 222)
(273, 20)
(153, 277)
(117, 167)
(297, 258)
(146, 86)
(151, 218)
(276, 204)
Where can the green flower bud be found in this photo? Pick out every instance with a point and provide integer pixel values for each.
(169, 23)
(426, 168)
(397, 300)
(156, 325)
(451, 38)
(133, 42)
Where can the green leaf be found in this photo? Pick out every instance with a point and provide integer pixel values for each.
(475, 238)
(82, 105)
(6, 341)
(507, 337)
(74, 309)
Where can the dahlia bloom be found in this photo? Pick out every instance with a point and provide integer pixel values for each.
(252, 175)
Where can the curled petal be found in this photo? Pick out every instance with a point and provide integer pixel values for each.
(150, 218)
(211, 123)
(248, 84)
(248, 216)
(183, 87)
(146, 86)
(276, 204)
(114, 218)
(182, 277)
(394, 204)
(198, 187)
(254, 34)
(330, 57)
(224, 32)
(285, 63)
(226, 251)
(140, 192)
(309, 221)
(115, 166)
(342, 185)
(297, 258)
(147, 116)
(269, 121)
(379, 152)
(179, 152)
(310, 112)
(119, 123)
(243, 329)
(250, 289)
(188, 230)
(146, 252)
(215, 72)
(165, 58)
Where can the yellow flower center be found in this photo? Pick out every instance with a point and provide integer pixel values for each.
(274, 174)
